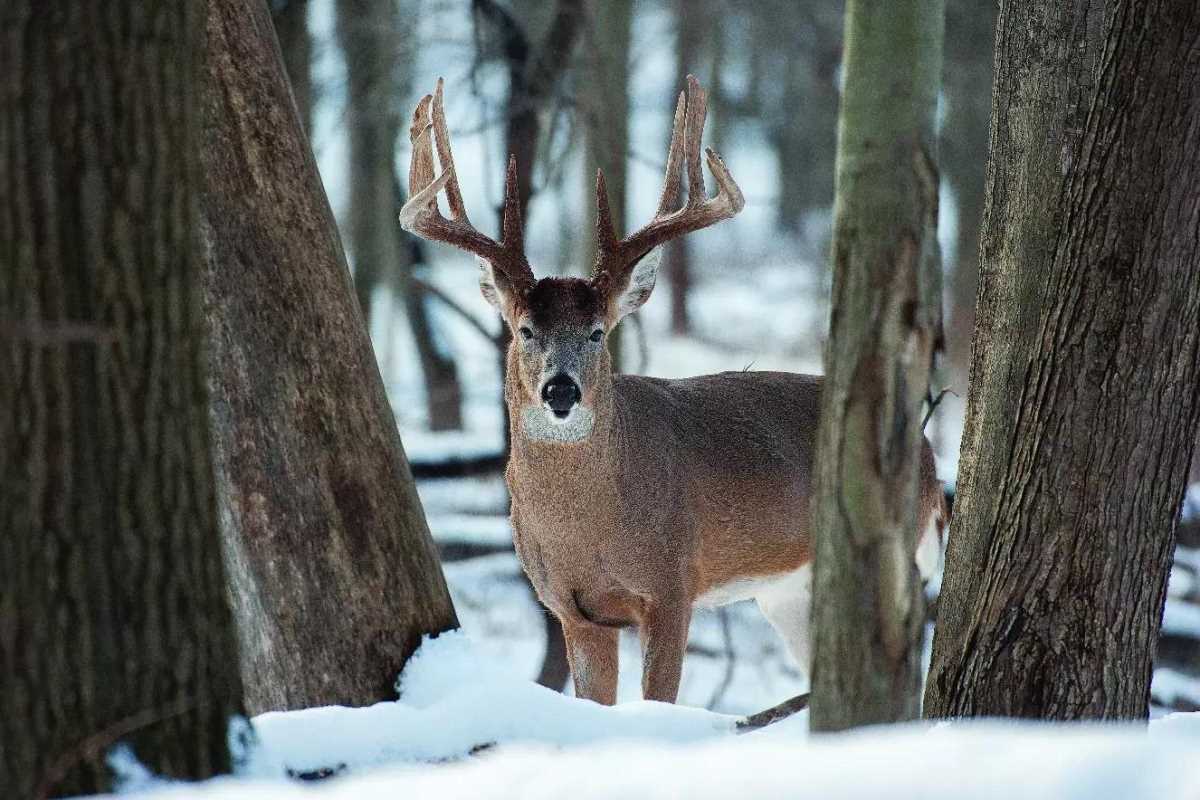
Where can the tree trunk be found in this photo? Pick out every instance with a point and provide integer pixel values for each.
(295, 40)
(604, 102)
(970, 32)
(336, 577)
(114, 618)
(533, 75)
(677, 262)
(886, 324)
(1085, 390)
(369, 34)
(443, 392)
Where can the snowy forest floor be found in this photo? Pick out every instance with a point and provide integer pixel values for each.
(470, 721)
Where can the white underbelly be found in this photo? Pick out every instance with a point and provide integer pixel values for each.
(750, 588)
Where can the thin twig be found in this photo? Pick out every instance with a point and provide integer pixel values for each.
(773, 714)
(105, 738)
(933, 402)
(727, 678)
(456, 307)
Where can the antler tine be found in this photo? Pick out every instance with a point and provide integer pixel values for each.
(453, 194)
(421, 216)
(697, 111)
(671, 223)
(670, 192)
(512, 233)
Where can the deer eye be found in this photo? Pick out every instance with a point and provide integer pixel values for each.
(597, 335)
(526, 334)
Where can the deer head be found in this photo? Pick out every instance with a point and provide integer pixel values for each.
(560, 325)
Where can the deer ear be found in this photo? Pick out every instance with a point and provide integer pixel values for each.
(638, 286)
(496, 288)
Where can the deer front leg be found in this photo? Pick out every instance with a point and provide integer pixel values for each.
(592, 654)
(664, 633)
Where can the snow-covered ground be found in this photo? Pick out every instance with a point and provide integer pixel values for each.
(468, 725)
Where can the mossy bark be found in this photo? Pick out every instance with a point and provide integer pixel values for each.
(1085, 374)
(885, 326)
(114, 617)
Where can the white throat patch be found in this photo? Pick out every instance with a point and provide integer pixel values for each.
(541, 425)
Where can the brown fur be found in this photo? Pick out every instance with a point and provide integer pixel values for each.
(683, 485)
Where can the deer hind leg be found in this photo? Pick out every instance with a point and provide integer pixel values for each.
(664, 633)
(786, 602)
(592, 654)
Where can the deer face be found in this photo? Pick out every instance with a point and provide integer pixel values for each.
(559, 330)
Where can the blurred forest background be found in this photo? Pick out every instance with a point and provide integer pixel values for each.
(569, 86)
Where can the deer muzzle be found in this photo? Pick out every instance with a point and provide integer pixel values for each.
(560, 394)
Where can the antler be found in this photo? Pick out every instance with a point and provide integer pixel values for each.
(615, 258)
(420, 215)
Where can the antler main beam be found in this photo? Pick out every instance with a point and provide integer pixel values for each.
(421, 216)
(615, 257)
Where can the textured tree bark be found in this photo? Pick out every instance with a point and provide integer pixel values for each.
(114, 618)
(369, 34)
(335, 575)
(886, 324)
(1085, 375)
(295, 40)
(604, 103)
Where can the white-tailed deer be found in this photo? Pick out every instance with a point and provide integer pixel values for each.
(635, 499)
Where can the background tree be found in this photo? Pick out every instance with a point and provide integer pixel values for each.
(295, 40)
(885, 327)
(114, 618)
(1085, 390)
(535, 70)
(335, 576)
(604, 108)
(378, 70)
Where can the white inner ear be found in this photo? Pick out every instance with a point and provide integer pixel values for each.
(488, 287)
(641, 283)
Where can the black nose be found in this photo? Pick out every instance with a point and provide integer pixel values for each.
(560, 393)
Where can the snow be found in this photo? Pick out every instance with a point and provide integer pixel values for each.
(466, 725)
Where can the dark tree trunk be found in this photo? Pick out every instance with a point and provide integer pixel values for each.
(533, 72)
(1085, 376)
(369, 34)
(604, 107)
(335, 575)
(443, 392)
(885, 326)
(295, 40)
(114, 616)
(677, 262)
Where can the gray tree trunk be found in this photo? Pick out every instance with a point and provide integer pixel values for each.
(1085, 375)
(114, 617)
(335, 575)
(604, 103)
(886, 324)
(369, 34)
(295, 40)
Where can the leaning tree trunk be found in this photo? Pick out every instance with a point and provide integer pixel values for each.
(114, 617)
(886, 324)
(1085, 377)
(336, 577)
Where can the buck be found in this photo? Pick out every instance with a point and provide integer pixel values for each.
(636, 499)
